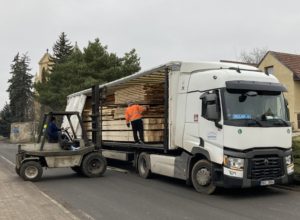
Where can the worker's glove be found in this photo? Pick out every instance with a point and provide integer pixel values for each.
(128, 125)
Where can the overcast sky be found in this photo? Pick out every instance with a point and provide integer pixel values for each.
(160, 30)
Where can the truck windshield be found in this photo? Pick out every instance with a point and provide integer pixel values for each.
(254, 108)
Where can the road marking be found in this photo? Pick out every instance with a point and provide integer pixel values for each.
(86, 215)
(51, 199)
(7, 160)
(59, 205)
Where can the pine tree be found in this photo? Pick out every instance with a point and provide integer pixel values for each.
(80, 70)
(20, 89)
(5, 121)
(61, 49)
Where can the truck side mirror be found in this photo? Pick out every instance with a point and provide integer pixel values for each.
(212, 112)
(209, 97)
(210, 108)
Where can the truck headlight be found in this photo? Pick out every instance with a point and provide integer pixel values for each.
(288, 160)
(234, 162)
(289, 164)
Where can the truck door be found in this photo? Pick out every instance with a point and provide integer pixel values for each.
(191, 121)
(210, 125)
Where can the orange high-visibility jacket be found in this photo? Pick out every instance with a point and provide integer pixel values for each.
(134, 112)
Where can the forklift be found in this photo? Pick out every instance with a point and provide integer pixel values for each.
(82, 155)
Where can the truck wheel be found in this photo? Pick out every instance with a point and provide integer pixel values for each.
(202, 177)
(77, 169)
(144, 167)
(31, 171)
(93, 165)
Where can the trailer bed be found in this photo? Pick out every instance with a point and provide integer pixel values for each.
(108, 144)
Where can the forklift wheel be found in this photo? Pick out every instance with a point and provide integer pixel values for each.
(17, 170)
(93, 165)
(77, 169)
(31, 171)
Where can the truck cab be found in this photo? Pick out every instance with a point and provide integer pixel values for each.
(237, 121)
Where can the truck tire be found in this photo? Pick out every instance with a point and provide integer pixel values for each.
(202, 177)
(93, 165)
(144, 167)
(77, 169)
(17, 170)
(31, 171)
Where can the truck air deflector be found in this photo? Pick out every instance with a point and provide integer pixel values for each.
(255, 85)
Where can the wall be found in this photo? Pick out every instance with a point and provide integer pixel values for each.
(22, 132)
(297, 98)
(285, 76)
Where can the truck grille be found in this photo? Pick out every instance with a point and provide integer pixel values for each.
(265, 168)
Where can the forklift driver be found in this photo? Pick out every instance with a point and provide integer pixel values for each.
(53, 131)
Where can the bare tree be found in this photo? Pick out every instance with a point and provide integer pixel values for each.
(254, 56)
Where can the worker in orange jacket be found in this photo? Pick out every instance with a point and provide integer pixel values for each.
(133, 115)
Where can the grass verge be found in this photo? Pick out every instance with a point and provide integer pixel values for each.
(296, 151)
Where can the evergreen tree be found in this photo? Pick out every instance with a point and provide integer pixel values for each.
(5, 121)
(81, 70)
(61, 49)
(20, 89)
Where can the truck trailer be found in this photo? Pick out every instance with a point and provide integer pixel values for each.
(211, 124)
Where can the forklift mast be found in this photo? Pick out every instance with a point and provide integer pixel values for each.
(97, 116)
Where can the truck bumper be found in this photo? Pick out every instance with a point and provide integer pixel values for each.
(232, 182)
(269, 174)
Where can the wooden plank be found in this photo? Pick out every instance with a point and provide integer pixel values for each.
(138, 93)
(125, 139)
(124, 127)
(129, 133)
(128, 136)
(145, 121)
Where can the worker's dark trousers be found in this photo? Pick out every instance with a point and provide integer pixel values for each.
(137, 126)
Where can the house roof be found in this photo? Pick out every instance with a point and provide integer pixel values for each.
(291, 61)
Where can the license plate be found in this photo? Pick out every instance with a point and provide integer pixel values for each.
(267, 182)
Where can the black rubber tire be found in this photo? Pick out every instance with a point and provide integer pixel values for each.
(17, 170)
(31, 171)
(203, 167)
(144, 166)
(93, 165)
(77, 169)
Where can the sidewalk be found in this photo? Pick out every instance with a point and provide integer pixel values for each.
(23, 200)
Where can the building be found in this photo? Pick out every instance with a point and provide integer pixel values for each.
(44, 66)
(286, 67)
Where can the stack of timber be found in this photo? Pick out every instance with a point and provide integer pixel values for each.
(110, 99)
(117, 130)
(155, 111)
(113, 113)
(142, 93)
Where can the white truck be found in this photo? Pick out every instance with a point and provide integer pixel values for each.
(225, 125)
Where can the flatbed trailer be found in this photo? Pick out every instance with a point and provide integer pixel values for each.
(207, 121)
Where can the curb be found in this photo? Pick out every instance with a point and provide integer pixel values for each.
(295, 188)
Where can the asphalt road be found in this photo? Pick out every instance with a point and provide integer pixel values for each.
(124, 195)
